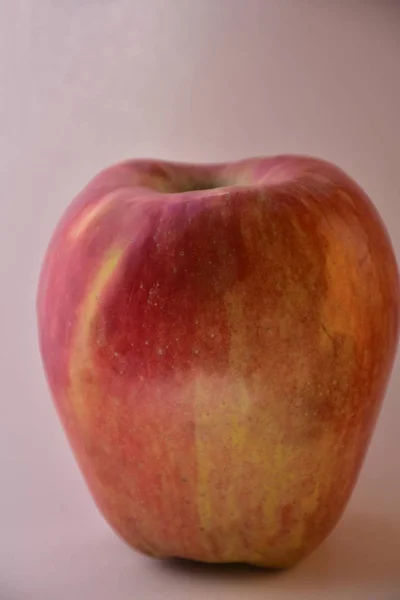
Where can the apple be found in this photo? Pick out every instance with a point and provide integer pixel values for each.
(218, 339)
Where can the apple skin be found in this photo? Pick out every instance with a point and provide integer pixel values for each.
(218, 357)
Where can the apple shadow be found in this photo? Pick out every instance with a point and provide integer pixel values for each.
(362, 552)
(221, 571)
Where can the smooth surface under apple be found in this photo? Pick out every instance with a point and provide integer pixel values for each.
(218, 340)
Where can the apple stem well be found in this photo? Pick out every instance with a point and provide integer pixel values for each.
(195, 185)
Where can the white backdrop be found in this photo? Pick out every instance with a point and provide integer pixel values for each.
(84, 84)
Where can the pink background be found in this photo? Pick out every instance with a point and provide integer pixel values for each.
(84, 84)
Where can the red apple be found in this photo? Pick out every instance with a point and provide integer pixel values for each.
(218, 340)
